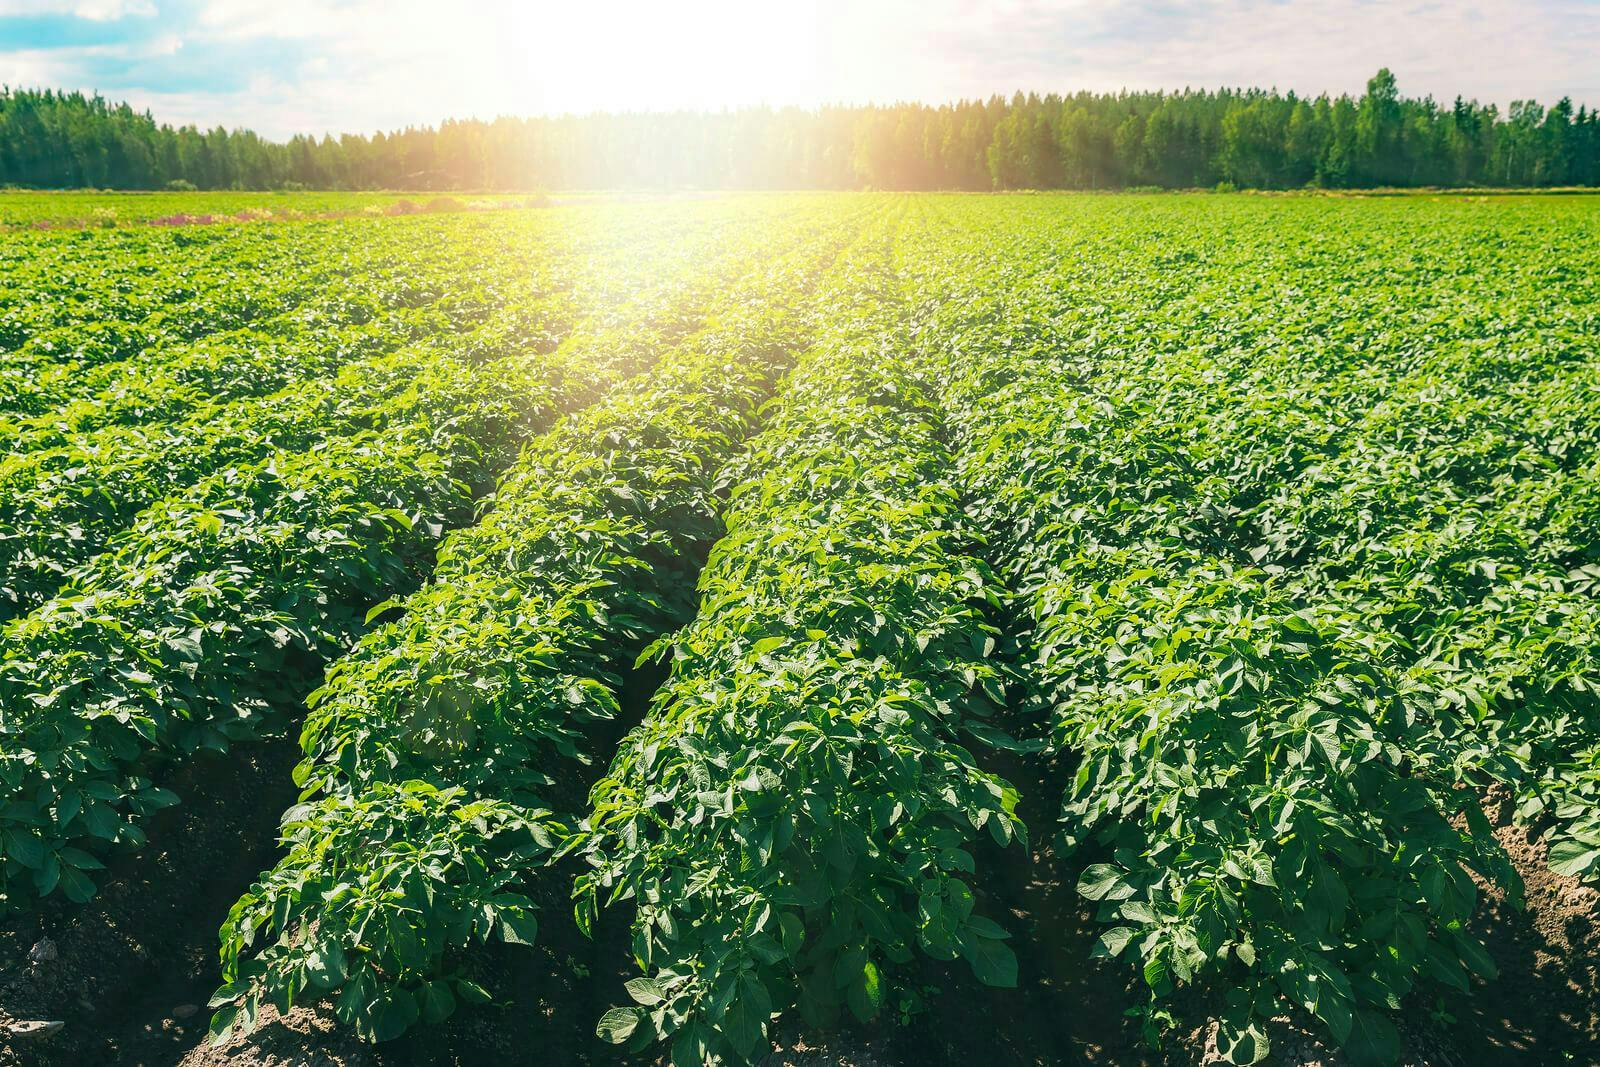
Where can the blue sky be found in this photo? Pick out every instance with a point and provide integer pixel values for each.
(282, 66)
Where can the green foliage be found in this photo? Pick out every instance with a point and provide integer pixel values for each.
(436, 745)
(250, 313)
(84, 469)
(798, 813)
(1192, 138)
(200, 622)
(1274, 524)
(1295, 587)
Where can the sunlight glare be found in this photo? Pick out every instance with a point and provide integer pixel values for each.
(635, 56)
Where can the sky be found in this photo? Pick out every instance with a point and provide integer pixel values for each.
(314, 66)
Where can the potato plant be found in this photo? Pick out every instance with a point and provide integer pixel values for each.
(202, 621)
(797, 814)
(1263, 532)
(437, 750)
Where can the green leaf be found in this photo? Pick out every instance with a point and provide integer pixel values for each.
(993, 962)
(793, 932)
(980, 926)
(472, 992)
(1373, 1040)
(1322, 990)
(646, 991)
(1244, 1044)
(436, 1002)
(1114, 940)
(25, 849)
(1572, 858)
(1104, 882)
(78, 888)
(394, 1016)
(865, 995)
(745, 1021)
(381, 608)
(47, 877)
(618, 1024)
(83, 861)
(1476, 957)
(226, 994)
(518, 926)
(689, 1047)
(1157, 974)
(222, 1026)
(848, 966)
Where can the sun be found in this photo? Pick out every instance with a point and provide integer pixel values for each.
(635, 56)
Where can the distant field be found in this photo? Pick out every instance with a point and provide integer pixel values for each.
(1047, 628)
(26, 208)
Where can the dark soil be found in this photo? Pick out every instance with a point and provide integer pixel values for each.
(1545, 1006)
(1068, 1008)
(548, 1003)
(129, 965)
(549, 995)
(128, 974)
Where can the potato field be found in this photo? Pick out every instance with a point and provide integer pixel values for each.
(803, 629)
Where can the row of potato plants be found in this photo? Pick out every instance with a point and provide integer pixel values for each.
(1461, 515)
(201, 622)
(438, 748)
(126, 293)
(106, 299)
(163, 382)
(64, 362)
(1475, 481)
(799, 812)
(1269, 766)
(1447, 493)
(62, 503)
(451, 276)
(199, 619)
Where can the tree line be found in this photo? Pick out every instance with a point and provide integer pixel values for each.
(1248, 138)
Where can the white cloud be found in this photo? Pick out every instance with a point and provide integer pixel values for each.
(369, 64)
(1495, 50)
(95, 10)
(298, 18)
(64, 67)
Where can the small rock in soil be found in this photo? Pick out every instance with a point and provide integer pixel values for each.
(184, 1011)
(43, 952)
(33, 1029)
